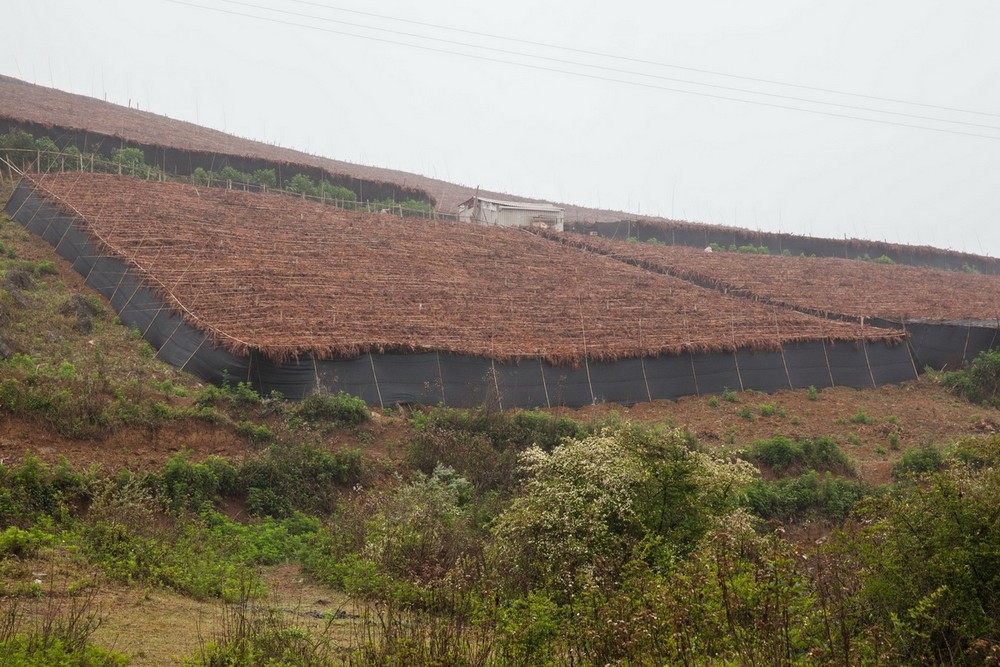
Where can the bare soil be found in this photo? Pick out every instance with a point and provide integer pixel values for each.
(920, 412)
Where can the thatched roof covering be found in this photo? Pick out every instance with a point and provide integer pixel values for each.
(288, 278)
(831, 286)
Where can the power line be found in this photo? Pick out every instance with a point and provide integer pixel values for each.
(614, 70)
(599, 77)
(649, 62)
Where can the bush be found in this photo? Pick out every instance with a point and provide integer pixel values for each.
(918, 462)
(979, 382)
(185, 484)
(931, 567)
(32, 490)
(255, 433)
(862, 417)
(807, 496)
(18, 543)
(483, 445)
(55, 647)
(284, 479)
(783, 454)
(185, 557)
(340, 409)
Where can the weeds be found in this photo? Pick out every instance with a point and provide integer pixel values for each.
(862, 417)
(59, 633)
(340, 409)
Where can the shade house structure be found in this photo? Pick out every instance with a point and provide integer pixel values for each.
(296, 296)
(949, 316)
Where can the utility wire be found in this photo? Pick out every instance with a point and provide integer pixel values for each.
(595, 76)
(614, 70)
(656, 63)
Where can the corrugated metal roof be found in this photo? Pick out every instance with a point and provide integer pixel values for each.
(515, 204)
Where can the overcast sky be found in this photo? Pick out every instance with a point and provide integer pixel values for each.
(583, 102)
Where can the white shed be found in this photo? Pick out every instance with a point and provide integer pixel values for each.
(483, 211)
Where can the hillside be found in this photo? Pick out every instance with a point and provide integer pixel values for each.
(191, 524)
(180, 147)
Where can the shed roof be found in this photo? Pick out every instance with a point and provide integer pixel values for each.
(524, 206)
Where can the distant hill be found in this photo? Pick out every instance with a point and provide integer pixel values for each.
(180, 147)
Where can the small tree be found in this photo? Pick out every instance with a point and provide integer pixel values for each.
(302, 184)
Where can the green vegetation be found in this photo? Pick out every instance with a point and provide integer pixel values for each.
(729, 395)
(479, 537)
(784, 455)
(743, 249)
(979, 381)
(881, 259)
(25, 151)
(808, 496)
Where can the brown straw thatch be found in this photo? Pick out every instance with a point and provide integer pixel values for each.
(853, 288)
(289, 278)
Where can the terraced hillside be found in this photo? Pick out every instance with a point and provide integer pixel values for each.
(293, 295)
(179, 147)
(291, 278)
(829, 286)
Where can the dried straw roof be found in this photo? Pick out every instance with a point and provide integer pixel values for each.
(820, 285)
(288, 278)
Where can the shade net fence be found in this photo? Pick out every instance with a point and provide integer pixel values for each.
(467, 381)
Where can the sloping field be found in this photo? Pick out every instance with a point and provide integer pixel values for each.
(289, 278)
(823, 285)
(27, 103)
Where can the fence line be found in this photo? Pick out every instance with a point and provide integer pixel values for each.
(59, 162)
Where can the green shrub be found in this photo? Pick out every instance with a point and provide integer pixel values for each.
(185, 557)
(767, 409)
(928, 554)
(256, 433)
(862, 417)
(301, 184)
(340, 409)
(186, 484)
(18, 543)
(265, 177)
(782, 454)
(32, 489)
(918, 461)
(809, 495)
(729, 395)
(518, 430)
(483, 445)
(893, 441)
(812, 393)
(36, 649)
(979, 381)
(286, 478)
(241, 394)
(746, 413)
